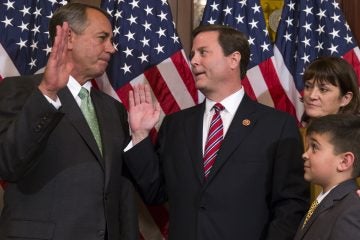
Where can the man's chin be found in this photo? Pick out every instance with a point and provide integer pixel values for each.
(98, 74)
(200, 83)
(199, 87)
(101, 69)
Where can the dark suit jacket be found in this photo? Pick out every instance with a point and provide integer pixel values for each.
(254, 191)
(336, 218)
(59, 185)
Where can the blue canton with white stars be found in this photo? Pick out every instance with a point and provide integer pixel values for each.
(309, 29)
(144, 36)
(246, 16)
(24, 32)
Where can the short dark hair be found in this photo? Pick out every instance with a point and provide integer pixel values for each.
(340, 73)
(230, 40)
(74, 14)
(344, 132)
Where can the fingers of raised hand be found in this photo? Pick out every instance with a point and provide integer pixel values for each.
(59, 48)
(139, 94)
(148, 96)
(64, 30)
(131, 99)
(142, 93)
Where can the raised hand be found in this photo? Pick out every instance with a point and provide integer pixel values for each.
(58, 67)
(143, 113)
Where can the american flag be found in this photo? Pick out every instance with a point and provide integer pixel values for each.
(307, 30)
(24, 45)
(261, 82)
(148, 50)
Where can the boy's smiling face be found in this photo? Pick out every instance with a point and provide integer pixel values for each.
(321, 161)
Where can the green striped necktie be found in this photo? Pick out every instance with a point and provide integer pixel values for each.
(88, 110)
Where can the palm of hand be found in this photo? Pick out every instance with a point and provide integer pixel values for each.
(143, 117)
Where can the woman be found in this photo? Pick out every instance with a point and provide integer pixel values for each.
(330, 87)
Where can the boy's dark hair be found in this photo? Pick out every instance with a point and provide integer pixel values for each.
(344, 132)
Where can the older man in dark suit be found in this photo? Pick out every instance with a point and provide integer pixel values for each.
(61, 141)
(230, 168)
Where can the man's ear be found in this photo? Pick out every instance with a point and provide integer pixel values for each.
(70, 39)
(235, 58)
(346, 161)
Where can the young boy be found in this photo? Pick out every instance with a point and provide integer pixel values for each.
(331, 160)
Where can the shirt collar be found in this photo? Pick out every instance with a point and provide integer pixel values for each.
(322, 195)
(230, 103)
(75, 87)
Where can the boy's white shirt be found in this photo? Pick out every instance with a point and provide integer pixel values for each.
(322, 195)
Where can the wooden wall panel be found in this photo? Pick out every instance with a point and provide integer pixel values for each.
(351, 9)
(182, 12)
(184, 23)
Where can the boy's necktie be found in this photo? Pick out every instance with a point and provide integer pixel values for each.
(310, 212)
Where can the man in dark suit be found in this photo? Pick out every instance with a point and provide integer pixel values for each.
(63, 182)
(332, 161)
(254, 189)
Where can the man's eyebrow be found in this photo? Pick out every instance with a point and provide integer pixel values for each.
(105, 33)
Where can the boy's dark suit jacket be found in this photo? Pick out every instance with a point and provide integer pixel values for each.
(59, 186)
(254, 191)
(336, 218)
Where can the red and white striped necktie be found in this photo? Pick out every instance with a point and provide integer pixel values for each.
(214, 139)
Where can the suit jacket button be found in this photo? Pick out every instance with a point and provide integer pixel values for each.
(38, 128)
(101, 233)
(106, 196)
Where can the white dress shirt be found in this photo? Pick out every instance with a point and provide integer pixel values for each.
(230, 103)
(322, 195)
(74, 87)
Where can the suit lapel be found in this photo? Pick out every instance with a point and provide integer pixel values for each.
(194, 122)
(106, 125)
(77, 119)
(240, 127)
(338, 193)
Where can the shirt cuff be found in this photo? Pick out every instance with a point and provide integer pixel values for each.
(56, 104)
(129, 146)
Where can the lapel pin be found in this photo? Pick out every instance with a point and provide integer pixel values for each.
(246, 122)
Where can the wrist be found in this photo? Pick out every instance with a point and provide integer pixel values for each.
(137, 137)
(45, 90)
